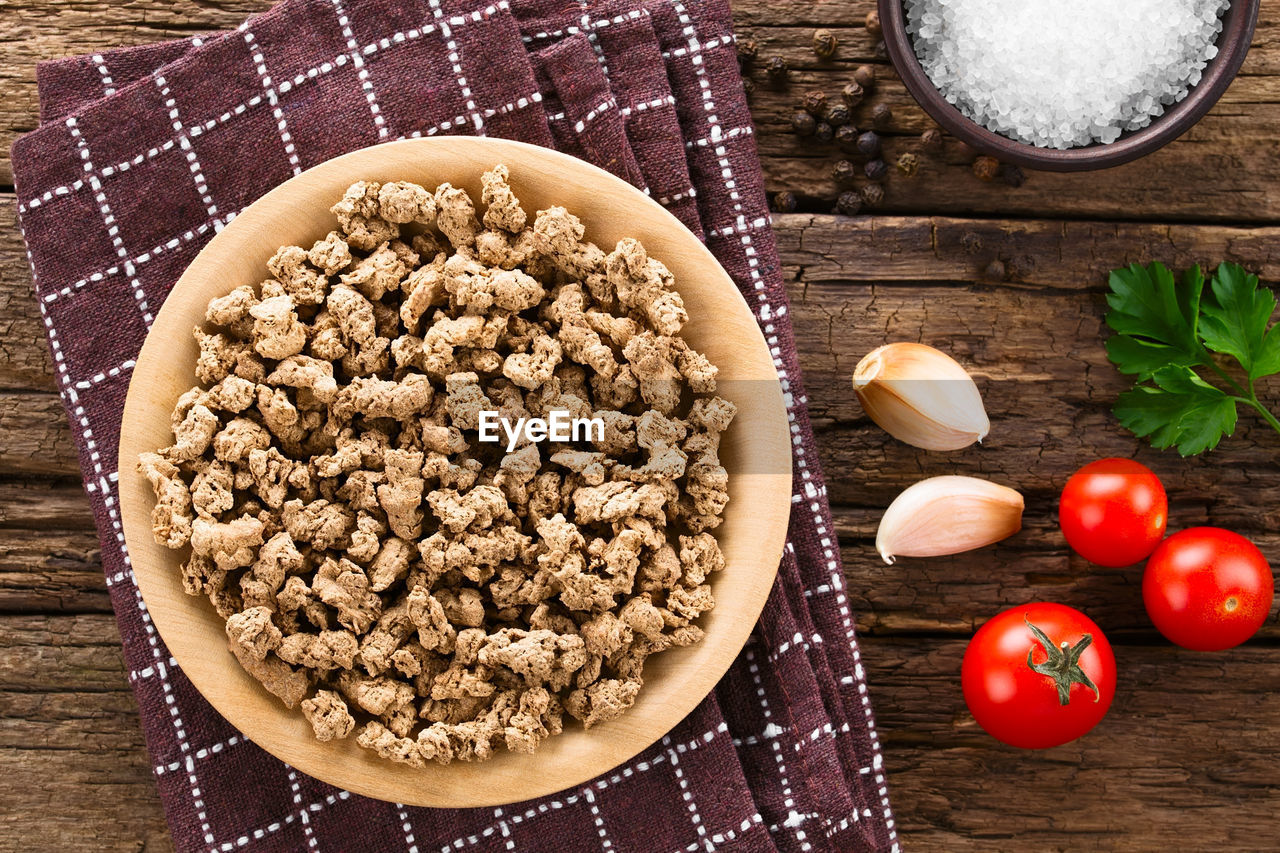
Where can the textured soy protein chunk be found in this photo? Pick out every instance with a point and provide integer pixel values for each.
(377, 565)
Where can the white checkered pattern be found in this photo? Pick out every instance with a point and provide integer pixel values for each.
(739, 233)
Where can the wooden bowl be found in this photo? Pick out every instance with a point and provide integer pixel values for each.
(756, 452)
(1233, 43)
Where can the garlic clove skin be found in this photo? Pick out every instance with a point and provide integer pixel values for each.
(921, 396)
(948, 515)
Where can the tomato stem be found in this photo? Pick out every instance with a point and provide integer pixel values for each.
(1063, 664)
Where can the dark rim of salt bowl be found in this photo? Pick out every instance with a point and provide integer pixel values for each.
(1233, 43)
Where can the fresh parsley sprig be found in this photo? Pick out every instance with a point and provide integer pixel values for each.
(1180, 340)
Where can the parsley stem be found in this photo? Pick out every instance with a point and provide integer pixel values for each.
(1262, 410)
(1226, 377)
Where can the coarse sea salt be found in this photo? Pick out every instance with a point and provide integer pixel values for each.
(1064, 73)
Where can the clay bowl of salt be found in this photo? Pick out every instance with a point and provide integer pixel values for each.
(1067, 87)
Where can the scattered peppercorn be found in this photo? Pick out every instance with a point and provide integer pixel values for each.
(777, 69)
(838, 115)
(785, 202)
(815, 103)
(872, 194)
(908, 163)
(1012, 175)
(971, 243)
(873, 24)
(931, 139)
(881, 115)
(849, 203)
(748, 50)
(748, 85)
(852, 95)
(1022, 267)
(986, 168)
(869, 144)
(825, 43)
(995, 270)
(876, 169)
(824, 132)
(804, 124)
(865, 76)
(844, 172)
(847, 138)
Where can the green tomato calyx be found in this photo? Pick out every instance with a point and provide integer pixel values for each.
(1063, 665)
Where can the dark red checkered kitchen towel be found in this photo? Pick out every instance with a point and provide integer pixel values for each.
(143, 154)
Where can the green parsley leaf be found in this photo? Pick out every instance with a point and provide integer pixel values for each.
(1144, 358)
(1234, 318)
(1182, 409)
(1148, 305)
(1172, 334)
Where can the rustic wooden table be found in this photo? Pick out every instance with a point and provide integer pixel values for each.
(1187, 757)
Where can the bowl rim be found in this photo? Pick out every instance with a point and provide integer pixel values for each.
(1239, 22)
(676, 680)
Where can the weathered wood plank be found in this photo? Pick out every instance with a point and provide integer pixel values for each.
(24, 356)
(1183, 758)
(1217, 171)
(74, 772)
(51, 571)
(35, 439)
(43, 506)
(1184, 753)
(1035, 348)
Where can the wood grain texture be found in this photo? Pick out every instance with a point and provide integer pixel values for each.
(74, 773)
(1187, 750)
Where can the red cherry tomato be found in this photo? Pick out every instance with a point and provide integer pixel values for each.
(1113, 512)
(1208, 589)
(1038, 675)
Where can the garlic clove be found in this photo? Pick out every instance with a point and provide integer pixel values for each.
(948, 515)
(921, 396)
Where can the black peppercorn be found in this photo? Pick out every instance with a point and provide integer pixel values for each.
(849, 203)
(872, 194)
(824, 44)
(881, 115)
(1012, 175)
(748, 85)
(814, 103)
(931, 139)
(847, 138)
(986, 168)
(804, 124)
(777, 69)
(995, 270)
(838, 115)
(865, 76)
(869, 144)
(852, 95)
(844, 172)
(748, 50)
(876, 169)
(785, 202)
(1021, 267)
(971, 243)
(908, 163)
(872, 24)
(824, 132)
